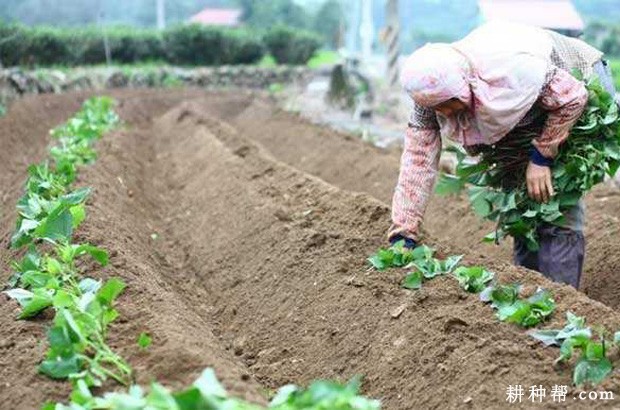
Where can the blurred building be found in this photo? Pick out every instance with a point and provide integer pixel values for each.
(218, 17)
(557, 15)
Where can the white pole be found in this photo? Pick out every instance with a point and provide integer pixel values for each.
(106, 42)
(161, 14)
(366, 31)
(392, 36)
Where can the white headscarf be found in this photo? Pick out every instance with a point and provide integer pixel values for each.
(498, 70)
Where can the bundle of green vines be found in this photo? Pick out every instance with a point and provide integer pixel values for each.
(495, 178)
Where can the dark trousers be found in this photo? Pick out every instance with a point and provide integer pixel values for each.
(560, 256)
(562, 249)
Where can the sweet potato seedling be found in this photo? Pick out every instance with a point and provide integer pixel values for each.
(592, 365)
(208, 393)
(420, 260)
(512, 309)
(474, 278)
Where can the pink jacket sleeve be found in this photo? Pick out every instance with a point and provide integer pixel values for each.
(418, 168)
(565, 98)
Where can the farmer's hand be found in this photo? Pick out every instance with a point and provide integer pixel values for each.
(539, 186)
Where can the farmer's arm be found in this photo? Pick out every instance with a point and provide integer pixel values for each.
(565, 98)
(418, 167)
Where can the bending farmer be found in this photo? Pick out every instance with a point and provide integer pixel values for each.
(498, 80)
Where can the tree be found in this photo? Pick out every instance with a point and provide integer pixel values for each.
(265, 14)
(328, 21)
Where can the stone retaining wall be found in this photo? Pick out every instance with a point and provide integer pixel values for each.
(15, 82)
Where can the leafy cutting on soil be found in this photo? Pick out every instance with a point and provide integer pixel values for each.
(497, 189)
(420, 260)
(323, 395)
(396, 256)
(207, 393)
(592, 366)
(524, 312)
(473, 279)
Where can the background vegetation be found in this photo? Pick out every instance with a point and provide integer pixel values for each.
(421, 21)
(180, 44)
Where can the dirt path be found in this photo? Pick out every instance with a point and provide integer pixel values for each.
(258, 270)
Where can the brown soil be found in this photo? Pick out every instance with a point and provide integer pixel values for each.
(258, 267)
(345, 161)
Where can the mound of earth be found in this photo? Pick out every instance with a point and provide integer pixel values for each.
(347, 162)
(240, 258)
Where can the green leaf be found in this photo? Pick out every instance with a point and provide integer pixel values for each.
(22, 296)
(422, 252)
(76, 197)
(591, 371)
(63, 299)
(160, 398)
(98, 254)
(81, 393)
(283, 395)
(89, 285)
(481, 207)
(144, 341)
(58, 226)
(110, 291)
(502, 295)
(448, 184)
(109, 316)
(547, 336)
(473, 279)
(40, 301)
(35, 279)
(190, 399)
(53, 266)
(492, 237)
(413, 280)
(78, 215)
(377, 262)
(450, 263)
(208, 385)
(60, 367)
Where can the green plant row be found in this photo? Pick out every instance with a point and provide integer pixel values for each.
(50, 275)
(592, 365)
(192, 44)
(206, 393)
(496, 181)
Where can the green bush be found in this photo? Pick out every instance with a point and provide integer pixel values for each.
(13, 44)
(244, 47)
(290, 46)
(195, 44)
(615, 70)
(48, 45)
(183, 45)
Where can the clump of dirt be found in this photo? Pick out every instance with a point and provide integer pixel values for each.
(236, 260)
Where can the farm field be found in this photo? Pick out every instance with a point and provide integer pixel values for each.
(242, 233)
